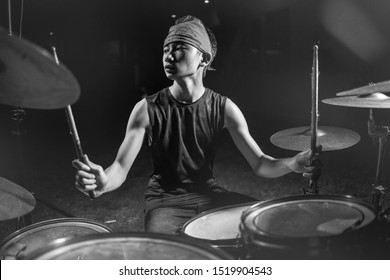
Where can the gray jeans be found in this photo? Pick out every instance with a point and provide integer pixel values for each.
(168, 215)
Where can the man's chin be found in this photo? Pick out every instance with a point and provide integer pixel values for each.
(170, 76)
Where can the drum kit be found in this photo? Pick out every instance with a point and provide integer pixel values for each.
(311, 226)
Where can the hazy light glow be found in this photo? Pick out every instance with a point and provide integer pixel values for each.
(351, 25)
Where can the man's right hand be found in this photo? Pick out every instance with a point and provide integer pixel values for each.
(89, 177)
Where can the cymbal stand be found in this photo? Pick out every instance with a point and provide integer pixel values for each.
(18, 114)
(379, 136)
(313, 186)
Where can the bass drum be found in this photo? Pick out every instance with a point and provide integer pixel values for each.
(310, 227)
(130, 246)
(219, 227)
(39, 235)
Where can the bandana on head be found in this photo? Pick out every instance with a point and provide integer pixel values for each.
(190, 30)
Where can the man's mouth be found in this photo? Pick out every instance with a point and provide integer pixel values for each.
(169, 67)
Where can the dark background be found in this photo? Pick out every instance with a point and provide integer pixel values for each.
(264, 64)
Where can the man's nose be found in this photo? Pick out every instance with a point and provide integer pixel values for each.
(168, 57)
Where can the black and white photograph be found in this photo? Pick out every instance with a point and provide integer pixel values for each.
(195, 130)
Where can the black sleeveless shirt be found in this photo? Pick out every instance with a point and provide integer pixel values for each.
(183, 139)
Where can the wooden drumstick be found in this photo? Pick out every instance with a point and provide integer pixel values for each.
(73, 129)
(314, 103)
(314, 117)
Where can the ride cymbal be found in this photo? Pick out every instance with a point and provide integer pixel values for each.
(330, 138)
(368, 89)
(374, 101)
(15, 201)
(30, 77)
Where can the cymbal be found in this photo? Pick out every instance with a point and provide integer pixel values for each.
(374, 101)
(15, 201)
(330, 138)
(31, 78)
(368, 89)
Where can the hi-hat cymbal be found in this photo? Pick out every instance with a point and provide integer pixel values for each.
(374, 101)
(368, 89)
(31, 78)
(15, 201)
(330, 138)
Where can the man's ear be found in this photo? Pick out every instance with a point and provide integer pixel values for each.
(206, 58)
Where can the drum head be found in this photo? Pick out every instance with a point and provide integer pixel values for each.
(307, 216)
(40, 235)
(132, 246)
(217, 224)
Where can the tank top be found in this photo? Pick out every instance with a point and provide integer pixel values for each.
(183, 138)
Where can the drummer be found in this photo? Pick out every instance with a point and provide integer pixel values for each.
(182, 123)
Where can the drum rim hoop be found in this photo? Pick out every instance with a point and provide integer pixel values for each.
(52, 222)
(183, 242)
(245, 231)
(229, 242)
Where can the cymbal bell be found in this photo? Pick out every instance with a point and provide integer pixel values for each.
(374, 101)
(15, 201)
(368, 89)
(31, 78)
(330, 138)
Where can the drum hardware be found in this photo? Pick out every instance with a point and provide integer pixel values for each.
(367, 90)
(218, 227)
(18, 114)
(317, 138)
(15, 201)
(379, 136)
(23, 242)
(30, 78)
(376, 100)
(330, 138)
(72, 126)
(311, 227)
(129, 246)
(369, 97)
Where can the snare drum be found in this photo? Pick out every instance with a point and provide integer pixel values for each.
(218, 227)
(309, 227)
(130, 246)
(39, 235)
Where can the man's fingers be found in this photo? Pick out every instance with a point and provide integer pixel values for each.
(309, 168)
(93, 168)
(80, 165)
(84, 174)
(85, 188)
(85, 182)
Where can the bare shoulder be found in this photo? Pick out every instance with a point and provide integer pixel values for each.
(233, 114)
(139, 115)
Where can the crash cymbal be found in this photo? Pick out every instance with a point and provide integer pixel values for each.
(374, 101)
(30, 77)
(371, 88)
(330, 138)
(15, 201)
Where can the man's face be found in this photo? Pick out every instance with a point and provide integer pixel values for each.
(181, 60)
